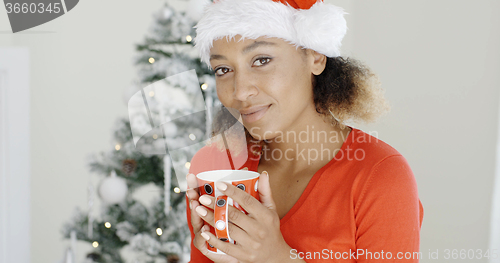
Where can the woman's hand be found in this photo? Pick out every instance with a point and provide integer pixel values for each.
(257, 234)
(197, 223)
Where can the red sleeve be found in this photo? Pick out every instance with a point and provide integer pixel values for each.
(389, 214)
(198, 164)
(196, 256)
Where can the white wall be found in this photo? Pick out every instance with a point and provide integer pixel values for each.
(14, 156)
(437, 61)
(495, 206)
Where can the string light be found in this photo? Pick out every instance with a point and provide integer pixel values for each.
(177, 190)
(151, 60)
(155, 136)
(95, 244)
(192, 137)
(117, 147)
(151, 93)
(107, 225)
(159, 231)
(204, 86)
(187, 165)
(189, 38)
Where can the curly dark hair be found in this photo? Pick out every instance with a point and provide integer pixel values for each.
(346, 90)
(349, 90)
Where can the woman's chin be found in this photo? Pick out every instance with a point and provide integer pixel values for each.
(259, 134)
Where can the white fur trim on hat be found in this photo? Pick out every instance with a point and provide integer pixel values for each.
(321, 27)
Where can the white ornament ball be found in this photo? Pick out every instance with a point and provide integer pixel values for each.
(113, 189)
(167, 13)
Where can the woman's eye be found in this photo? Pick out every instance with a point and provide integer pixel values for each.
(265, 59)
(218, 71)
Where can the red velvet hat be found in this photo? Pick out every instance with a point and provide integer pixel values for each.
(307, 23)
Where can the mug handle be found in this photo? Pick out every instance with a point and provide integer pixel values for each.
(221, 218)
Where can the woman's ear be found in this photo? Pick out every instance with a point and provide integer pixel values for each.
(318, 63)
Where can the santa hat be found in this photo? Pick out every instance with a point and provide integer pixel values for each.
(307, 23)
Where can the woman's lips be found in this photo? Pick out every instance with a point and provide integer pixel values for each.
(255, 116)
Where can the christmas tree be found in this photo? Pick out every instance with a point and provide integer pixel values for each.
(172, 81)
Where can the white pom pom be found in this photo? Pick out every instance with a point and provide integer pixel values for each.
(321, 28)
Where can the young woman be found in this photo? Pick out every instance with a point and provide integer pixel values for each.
(328, 191)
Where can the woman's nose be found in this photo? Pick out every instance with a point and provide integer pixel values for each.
(244, 86)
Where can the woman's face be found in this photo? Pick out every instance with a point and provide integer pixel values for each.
(268, 81)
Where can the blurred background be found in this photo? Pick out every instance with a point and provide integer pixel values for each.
(65, 86)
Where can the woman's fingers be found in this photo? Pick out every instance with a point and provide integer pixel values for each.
(199, 242)
(191, 180)
(207, 201)
(265, 195)
(241, 221)
(245, 200)
(196, 220)
(239, 235)
(205, 214)
(232, 251)
(192, 197)
(192, 191)
(206, 211)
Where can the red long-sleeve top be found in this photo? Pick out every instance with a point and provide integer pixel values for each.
(360, 206)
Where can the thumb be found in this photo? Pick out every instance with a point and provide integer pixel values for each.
(266, 198)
